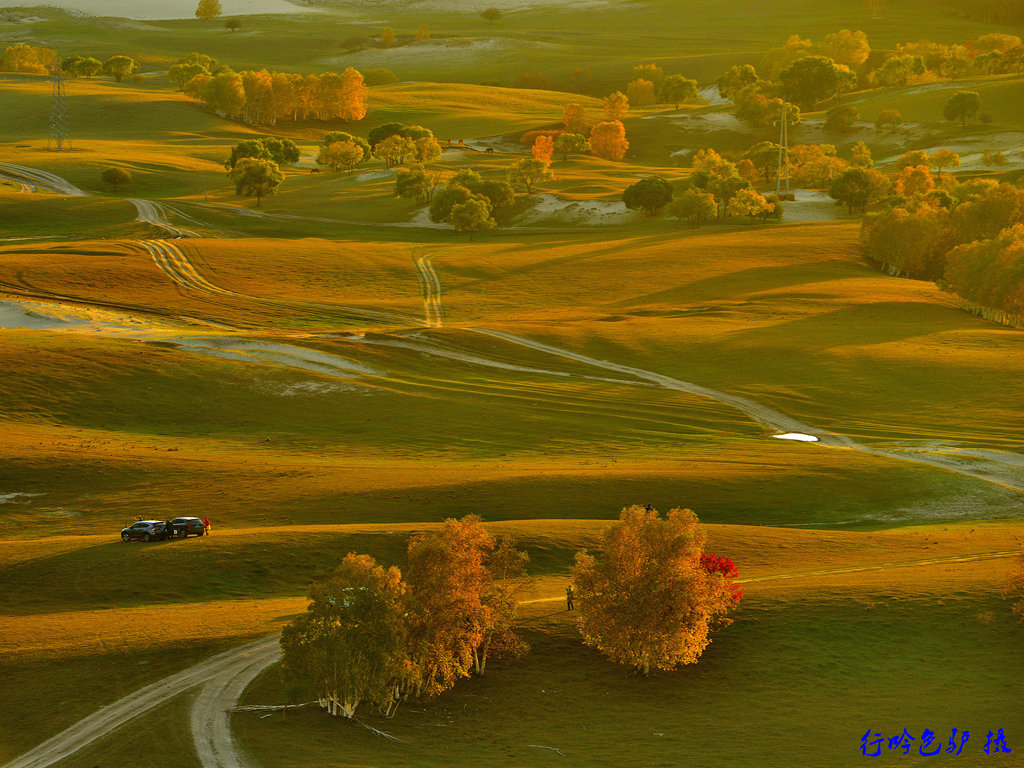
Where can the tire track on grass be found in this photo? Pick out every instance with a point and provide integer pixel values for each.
(431, 284)
(1003, 473)
(151, 212)
(226, 670)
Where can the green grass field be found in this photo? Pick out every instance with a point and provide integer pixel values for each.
(286, 374)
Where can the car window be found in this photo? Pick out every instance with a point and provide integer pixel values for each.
(139, 525)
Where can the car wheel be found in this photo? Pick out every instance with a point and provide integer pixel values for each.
(147, 537)
(125, 537)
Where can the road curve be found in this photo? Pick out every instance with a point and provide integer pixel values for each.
(241, 660)
(151, 212)
(37, 178)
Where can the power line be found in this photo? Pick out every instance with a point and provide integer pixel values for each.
(60, 134)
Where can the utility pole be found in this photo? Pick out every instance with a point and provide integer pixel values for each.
(783, 155)
(60, 136)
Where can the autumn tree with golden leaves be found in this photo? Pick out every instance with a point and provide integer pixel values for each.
(649, 600)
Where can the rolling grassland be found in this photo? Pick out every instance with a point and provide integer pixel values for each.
(333, 372)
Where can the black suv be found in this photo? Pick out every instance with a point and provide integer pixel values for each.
(147, 530)
(182, 527)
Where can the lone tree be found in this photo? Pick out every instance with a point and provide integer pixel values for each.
(340, 155)
(528, 172)
(649, 600)
(472, 216)
(233, 25)
(491, 14)
(115, 176)
(208, 9)
(675, 89)
(811, 79)
(695, 206)
(350, 645)
(567, 143)
(120, 67)
(387, 38)
(961, 106)
(651, 194)
(256, 177)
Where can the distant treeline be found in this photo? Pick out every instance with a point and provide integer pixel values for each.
(263, 98)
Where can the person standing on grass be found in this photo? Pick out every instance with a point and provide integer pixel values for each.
(568, 598)
(206, 526)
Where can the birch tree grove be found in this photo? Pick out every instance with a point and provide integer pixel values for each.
(349, 647)
(370, 637)
(263, 98)
(649, 600)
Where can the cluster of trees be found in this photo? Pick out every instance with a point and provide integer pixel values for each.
(650, 86)
(716, 188)
(341, 151)
(652, 597)
(467, 201)
(376, 636)
(394, 142)
(968, 236)
(28, 58)
(388, 37)
(280, 151)
(263, 98)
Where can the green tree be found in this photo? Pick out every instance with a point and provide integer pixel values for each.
(340, 155)
(256, 177)
(379, 76)
(528, 172)
(765, 157)
(491, 14)
(650, 72)
(472, 216)
(676, 89)
(962, 106)
(334, 136)
(415, 183)
(89, 67)
(116, 176)
(120, 67)
(567, 143)
(445, 199)
(810, 80)
(394, 150)
(888, 118)
(750, 203)
(852, 188)
(208, 9)
(695, 206)
(841, 119)
(387, 37)
(650, 194)
(182, 72)
(350, 646)
(735, 79)
(69, 63)
(383, 131)
(648, 601)
(281, 151)
(233, 25)
(499, 193)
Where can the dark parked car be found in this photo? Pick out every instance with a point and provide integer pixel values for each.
(147, 530)
(187, 526)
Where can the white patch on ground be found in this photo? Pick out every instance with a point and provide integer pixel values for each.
(798, 436)
(163, 9)
(704, 121)
(268, 353)
(713, 97)
(551, 209)
(422, 219)
(499, 144)
(58, 512)
(38, 316)
(13, 498)
(384, 173)
(455, 52)
(812, 205)
(310, 388)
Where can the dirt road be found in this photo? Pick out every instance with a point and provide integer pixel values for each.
(222, 676)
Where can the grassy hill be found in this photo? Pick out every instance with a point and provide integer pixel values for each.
(295, 374)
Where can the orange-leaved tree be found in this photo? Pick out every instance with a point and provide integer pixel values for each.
(649, 599)
(616, 106)
(608, 140)
(542, 149)
(446, 577)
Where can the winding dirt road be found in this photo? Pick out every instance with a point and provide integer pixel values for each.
(40, 179)
(431, 287)
(220, 677)
(153, 213)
